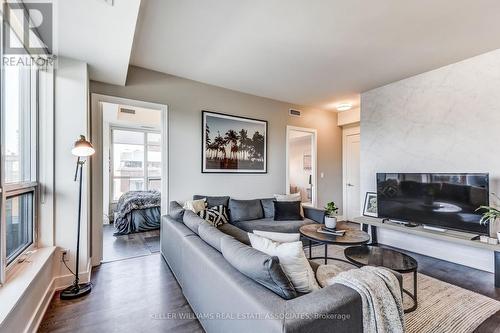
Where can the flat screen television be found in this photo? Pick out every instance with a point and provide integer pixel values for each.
(444, 200)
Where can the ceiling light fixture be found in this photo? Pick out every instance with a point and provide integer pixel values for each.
(344, 106)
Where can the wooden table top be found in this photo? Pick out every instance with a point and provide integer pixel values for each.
(351, 237)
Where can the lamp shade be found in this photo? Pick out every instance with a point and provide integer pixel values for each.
(83, 148)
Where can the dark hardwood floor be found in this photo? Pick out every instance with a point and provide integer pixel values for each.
(133, 295)
(141, 295)
(127, 246)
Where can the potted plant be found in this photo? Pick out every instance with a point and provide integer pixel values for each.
(331, 215)
(492, 215)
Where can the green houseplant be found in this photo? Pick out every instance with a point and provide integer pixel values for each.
(331, 215)
(491, 214)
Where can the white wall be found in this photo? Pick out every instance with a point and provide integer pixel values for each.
(186, 99)
(446, 120)
(71, 120)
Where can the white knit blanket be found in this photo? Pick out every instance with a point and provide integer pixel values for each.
(381, 298)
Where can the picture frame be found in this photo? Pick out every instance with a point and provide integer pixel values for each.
(233, 144)
(370, 206)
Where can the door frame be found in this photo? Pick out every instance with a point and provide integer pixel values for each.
(314, 160)
(347, 131)
(96, 174)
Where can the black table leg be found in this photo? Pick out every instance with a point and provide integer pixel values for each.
(373, 231)
(414, 295)
(310, 249)
(497, 269)
(326, 254)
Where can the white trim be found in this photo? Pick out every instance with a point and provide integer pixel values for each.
(346, 131)
(96, 164)
(314, 160)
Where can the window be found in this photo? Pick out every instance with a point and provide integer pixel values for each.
(18, 162)
(135, 161)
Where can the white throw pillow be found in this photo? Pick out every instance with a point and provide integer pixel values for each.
(195, 206)
(293, 261)
(279, 237)
(290, 197)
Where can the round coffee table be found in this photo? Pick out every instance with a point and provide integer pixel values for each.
(351, 237)
(369, 255)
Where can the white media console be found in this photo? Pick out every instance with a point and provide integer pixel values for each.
(449, 236)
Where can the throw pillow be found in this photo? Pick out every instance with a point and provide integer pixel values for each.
(195, 206)
(292, 259)
(213, 201)
(287, 211)
(290, 197)
(216, 216)
(279, 237)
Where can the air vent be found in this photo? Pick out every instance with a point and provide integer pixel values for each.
(129, 111)
(294, 113)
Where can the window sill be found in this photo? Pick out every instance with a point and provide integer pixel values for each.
(21, 279)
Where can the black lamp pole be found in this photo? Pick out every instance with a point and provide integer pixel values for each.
(78, 289)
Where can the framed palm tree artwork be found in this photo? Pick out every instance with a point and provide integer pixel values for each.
(233, 144)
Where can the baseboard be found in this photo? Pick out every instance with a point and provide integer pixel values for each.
(57, 283)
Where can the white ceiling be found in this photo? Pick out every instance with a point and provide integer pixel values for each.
(317, 52)
(99, 34)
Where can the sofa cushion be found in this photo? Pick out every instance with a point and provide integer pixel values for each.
(213, 200)
(176, 211)
(235, 232)
(271, 225)
(211, 235)
(287, 211)
(268, 207)
(258, 266)
(195, 206)
(192, 221)
(245, 210)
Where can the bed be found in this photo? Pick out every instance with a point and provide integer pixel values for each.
(138, 211)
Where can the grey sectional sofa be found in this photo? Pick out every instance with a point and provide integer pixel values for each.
(227, 282)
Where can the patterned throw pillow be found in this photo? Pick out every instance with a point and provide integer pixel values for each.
(216, 215)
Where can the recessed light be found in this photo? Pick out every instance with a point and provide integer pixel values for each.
(344, 106)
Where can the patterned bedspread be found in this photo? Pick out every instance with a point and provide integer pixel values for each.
(131, 201)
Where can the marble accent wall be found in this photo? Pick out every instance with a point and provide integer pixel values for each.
(445, 120)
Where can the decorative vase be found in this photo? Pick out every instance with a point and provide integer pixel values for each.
(495, 228)
(330, 222)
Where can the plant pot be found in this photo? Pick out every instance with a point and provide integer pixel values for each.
(330, 222)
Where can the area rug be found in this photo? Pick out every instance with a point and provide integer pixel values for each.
(442, 307)
(152, 243)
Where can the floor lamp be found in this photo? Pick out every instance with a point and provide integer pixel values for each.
(82, 149)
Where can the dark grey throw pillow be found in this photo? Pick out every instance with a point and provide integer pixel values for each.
(258, 266)
(268, 207)
(176, 211)
(287, 211)
(213, 201)
(245, 210)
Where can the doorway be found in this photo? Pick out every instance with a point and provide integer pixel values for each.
(129, 170)
(351, 172)
(301, 151)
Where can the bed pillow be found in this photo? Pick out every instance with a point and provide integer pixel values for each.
(213, 201)
(292, 259)
(195, 206)
(279, 237)
(215, 216)
(287, 211)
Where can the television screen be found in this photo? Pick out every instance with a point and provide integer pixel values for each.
(444, 200)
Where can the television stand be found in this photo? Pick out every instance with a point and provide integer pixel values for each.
(449, 236)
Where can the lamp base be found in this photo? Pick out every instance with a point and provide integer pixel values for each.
(76, 291)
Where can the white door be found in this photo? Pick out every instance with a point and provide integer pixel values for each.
(351, 181)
